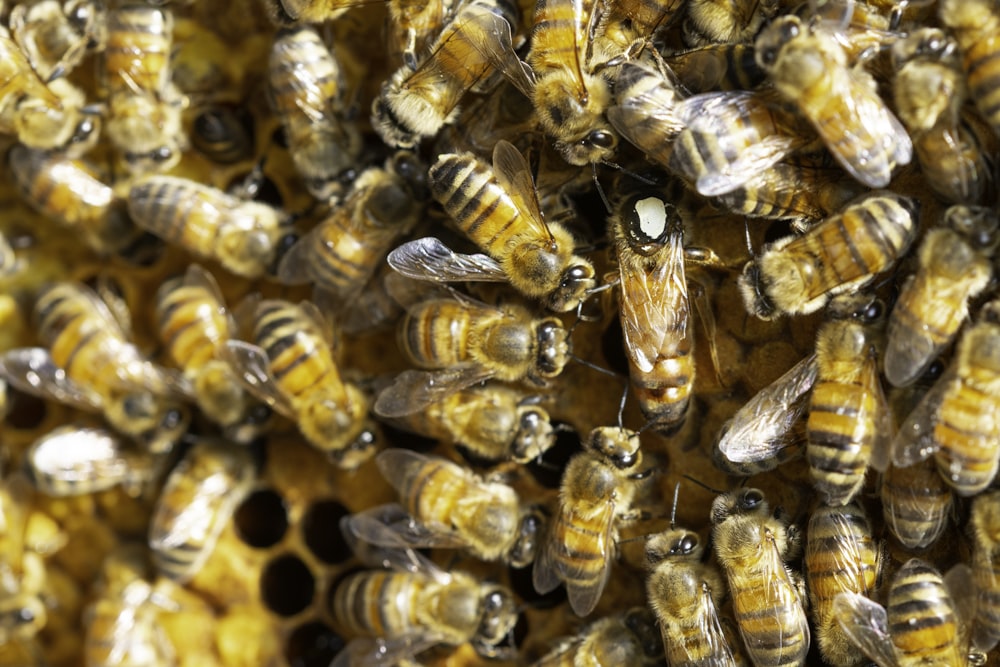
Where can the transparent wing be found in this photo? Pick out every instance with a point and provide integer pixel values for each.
(31, 370)
(885, 426)
(398, 558)
(296, 265)
(378, 652)
(867, 625)
(719, 653)
(757, 430)
(491, 36)
(430, 259)
(390, 526)
(915, 440)
(253, 368)
(197, 276)
(732, 121)
(847, 561)
(654, 305)
(651, 102)
(414, 390)
(514, 175)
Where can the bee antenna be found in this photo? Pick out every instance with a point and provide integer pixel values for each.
(600, 190)
(746, 232)
(673, 510)
(592, 366)
(631, 174)
(702, 484)
(621, 406)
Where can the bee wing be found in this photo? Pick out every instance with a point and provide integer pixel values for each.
(915, 440)
(430, 259)
(885, 426)
(413, 390)
(867, 625)
(296, 265)
(848, 563)
(756, 431)
(719, 653)
(378, 652)
(390, 526)
(654, 106)
(715, 116)
(862, 132)
(251, 365)
(198, 276)
(492, 38)
(583, 599)
(31, 370)
(961, 585)
(655, 305)
(514, 176)
(320, 321)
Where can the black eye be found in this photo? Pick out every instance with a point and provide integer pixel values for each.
(493, 602)
(789, 31)
(172, 419)
(751, 499)
(689, 543)
(601, 139)
(162, 154)
(874, 311)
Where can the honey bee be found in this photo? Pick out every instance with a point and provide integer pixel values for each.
(752, 545)
(498, 209)
(122, 626)
(840, 556)
(494, 422)
(920, 625)
(469, 342)
(984, 524)
(916, 504)
(646, 113)
(415, 24)
(194, 326)
(42, 115)
(56, 35)
(71, 460)
(91, 365)
(243, 236)
(625, 28)
(340, 254)
(716, 67)
(850, 423)
(799, 274)
(975, 24)
(9, 266)
(929, 89)
(809, 67)
(446, 505)
(197, 502)
(291, 368)
(398, 613)
(685, 594)
(626, 638)
(957, 420)
(954, 267)
(306, 91)
(417, 103)
(725, 21)
(67, 191)
(144, 105)
(223, 134)
(757, 433)
(654, 306)
(595, 496)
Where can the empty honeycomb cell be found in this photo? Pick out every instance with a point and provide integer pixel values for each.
(312, 645)
(262, 518)
(24, 412)
(321, 533)
(287, 586)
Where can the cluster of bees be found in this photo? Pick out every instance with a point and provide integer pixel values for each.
(496, 238)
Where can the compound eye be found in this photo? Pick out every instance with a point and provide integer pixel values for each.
(751, 499)
(601, 139)
(874, 311)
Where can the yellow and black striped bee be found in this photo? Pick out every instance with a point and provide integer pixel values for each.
(497, 207)
(464, 342)
(954, 267)
(916, 504)
(196, 503)
(290, 367)
(243, 236)
(144, 105)
(958, 420)
(55, 35)
(984, 525)
(72, 460)
(595, 496)
(921, 623)
(752, 547)
(841, 556)
(626, 638)
(725, 21)
(975, 24)
(799, 274)
(445, 505)
(716, 67)
(307, 92)
(395, 614)
(194, 326)
(808, 66)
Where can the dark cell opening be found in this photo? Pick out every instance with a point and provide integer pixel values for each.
(287, 586)
(24, 411)
(549, 468)
(395, 437)
(312, 645)
(777, 230)
(262, 519)
(321, 531)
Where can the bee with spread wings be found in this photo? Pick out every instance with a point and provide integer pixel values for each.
(498, 209)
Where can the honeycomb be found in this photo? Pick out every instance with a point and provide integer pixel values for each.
(263, 595)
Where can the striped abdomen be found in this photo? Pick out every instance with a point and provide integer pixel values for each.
(916, 503)
(968, 437)
(955, 163)
(192, 324)
(138, 51)
(379, 604)
(841, 430)
(435, 334)
(981, 61)
(770, 617)
(985, 527)
(922, 620)
(665, 392)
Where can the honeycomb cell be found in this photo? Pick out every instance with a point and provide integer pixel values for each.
(321, 534)
(287, 585)
(262, 519)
